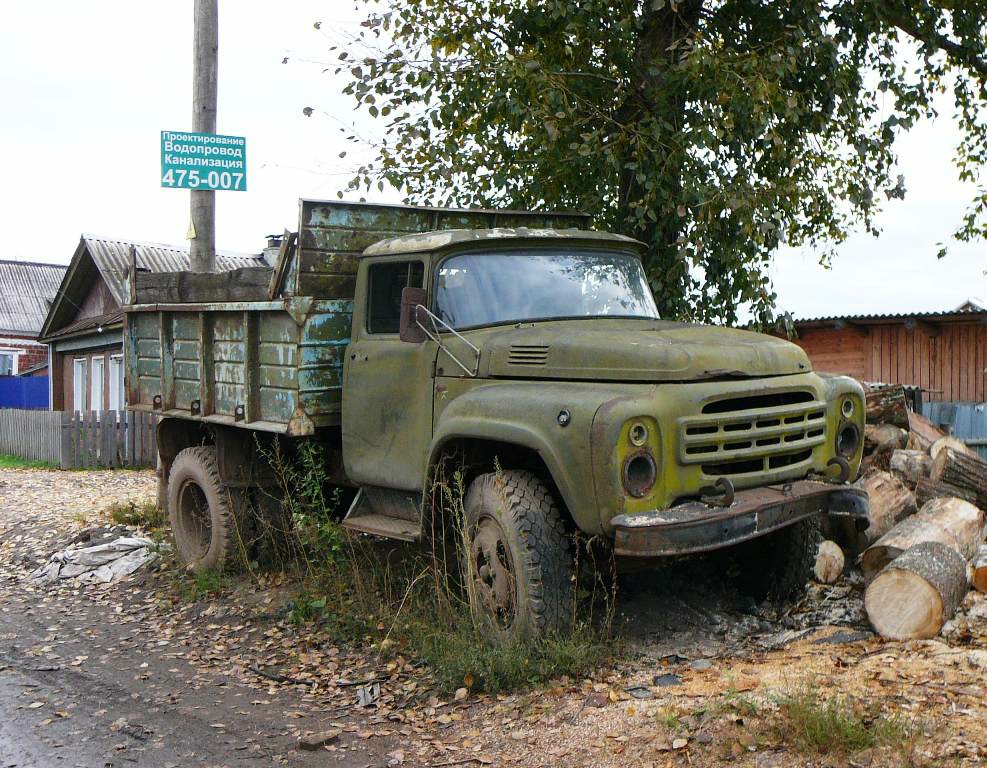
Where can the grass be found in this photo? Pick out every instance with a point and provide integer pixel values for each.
(16, 462)
(838, 724)
(201, 585)
(143, 514)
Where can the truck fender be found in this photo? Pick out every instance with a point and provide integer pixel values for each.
(486, 430)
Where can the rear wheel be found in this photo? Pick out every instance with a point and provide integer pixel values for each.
(518, 564)
(206, 516)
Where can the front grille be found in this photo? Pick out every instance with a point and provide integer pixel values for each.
(757, 433)
(527, 354)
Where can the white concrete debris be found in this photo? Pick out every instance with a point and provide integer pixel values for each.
(103, 562)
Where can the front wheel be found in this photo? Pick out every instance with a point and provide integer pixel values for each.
(518, 565)
(780, 564)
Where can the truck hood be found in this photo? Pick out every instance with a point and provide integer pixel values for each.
(634, 350)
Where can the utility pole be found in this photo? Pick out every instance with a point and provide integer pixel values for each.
(204, 90)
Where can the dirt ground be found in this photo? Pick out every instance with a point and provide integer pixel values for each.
(116, 675)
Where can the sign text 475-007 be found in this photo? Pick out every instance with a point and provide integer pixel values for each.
(194, 179)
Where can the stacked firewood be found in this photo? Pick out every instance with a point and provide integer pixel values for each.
(925, 543)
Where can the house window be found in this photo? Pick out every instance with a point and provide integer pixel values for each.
(96, 392)
(387, 280)
(8, 363)
(117, 398)
(79, 384)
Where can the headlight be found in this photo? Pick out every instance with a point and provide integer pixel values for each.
(640, 473)
(847, 408)
(847, 440)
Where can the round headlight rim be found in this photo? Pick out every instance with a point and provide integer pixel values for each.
(641, 438)
(638, 488)
(848, 407)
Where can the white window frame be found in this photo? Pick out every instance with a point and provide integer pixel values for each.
(79, 402)
(96, 387)
(15, 367)
(118, 397)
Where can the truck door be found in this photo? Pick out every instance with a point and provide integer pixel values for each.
(387, 383)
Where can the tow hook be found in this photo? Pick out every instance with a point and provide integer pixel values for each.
(722, 488)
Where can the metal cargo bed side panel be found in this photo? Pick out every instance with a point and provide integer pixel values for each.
(273, 366)
(332, 234)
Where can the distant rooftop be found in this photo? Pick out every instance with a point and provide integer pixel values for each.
(27, 289)
(971, 306)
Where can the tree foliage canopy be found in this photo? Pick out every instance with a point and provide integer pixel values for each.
(713, 130)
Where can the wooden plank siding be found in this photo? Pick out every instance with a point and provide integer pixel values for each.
(945, 359)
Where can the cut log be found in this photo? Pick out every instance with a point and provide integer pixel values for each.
(829, 562)
(953, 522)
(887, 405)
(947, 442)
(890, 502)
(928, 489)
(922, 433)
(964, 470)
(915, 595)
(884, 437)
(979, 569)
(910, 466)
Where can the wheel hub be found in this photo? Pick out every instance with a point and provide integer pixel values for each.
(195, 519)
(494, 583)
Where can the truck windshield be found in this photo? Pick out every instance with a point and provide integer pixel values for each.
(475, 289)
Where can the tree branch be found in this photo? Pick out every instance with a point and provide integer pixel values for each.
(958, 52)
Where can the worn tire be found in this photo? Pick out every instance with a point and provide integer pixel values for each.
(206, 516)
(525, 515)
(779, 565)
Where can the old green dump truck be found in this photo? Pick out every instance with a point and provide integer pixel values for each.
(527, 348)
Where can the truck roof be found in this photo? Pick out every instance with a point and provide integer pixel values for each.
(449, 238)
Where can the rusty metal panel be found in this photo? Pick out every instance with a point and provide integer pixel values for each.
(332, 233)
(324, 337)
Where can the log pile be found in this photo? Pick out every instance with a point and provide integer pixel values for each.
(925, 543)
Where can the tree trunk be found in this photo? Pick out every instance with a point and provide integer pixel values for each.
(953, 522)
(947, 441)
(922, 433)
(910, 466)
(915, 595)
(829, 562)
(964, 470)
(889, 503)
(887, 405)
(663, 40)
(979, 567)
(928, 489)
(884, 437)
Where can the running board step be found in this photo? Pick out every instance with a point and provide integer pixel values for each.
(384, 512)
(381, 525)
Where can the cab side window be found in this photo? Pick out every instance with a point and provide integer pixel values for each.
(384, 299)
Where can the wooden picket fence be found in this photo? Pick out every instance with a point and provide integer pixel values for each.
(74, 440)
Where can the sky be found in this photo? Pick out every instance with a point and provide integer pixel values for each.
(87, 87)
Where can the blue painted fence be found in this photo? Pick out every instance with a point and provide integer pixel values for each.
(967, 421)
(23, 391)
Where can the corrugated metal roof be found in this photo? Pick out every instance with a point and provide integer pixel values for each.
(967, 308)
(26, 291)
(112, 257)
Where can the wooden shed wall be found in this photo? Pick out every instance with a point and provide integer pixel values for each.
(947, 359)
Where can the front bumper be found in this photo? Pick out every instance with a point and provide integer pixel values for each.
(698, 527)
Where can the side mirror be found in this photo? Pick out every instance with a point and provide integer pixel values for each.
(409, 329)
